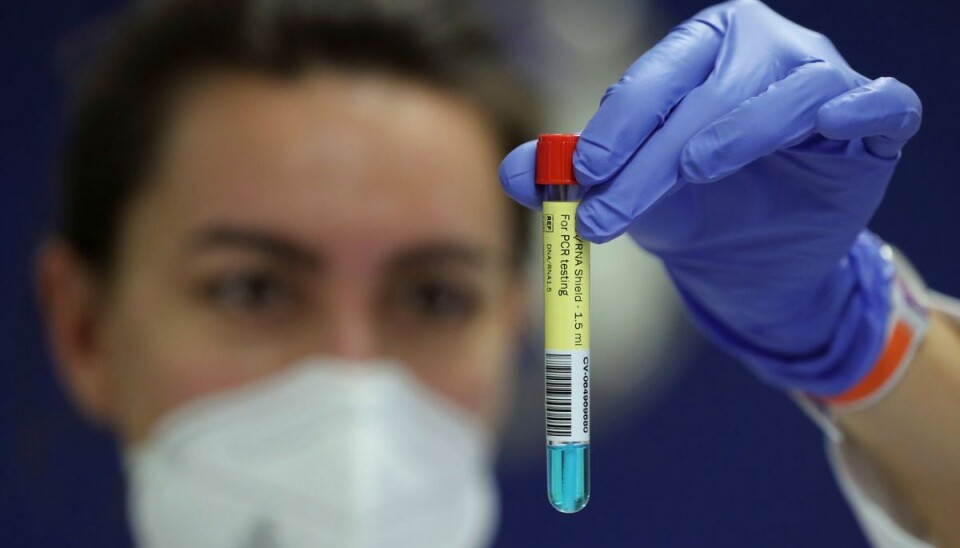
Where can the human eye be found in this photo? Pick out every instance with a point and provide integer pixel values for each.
(436, 301)
(251, 293)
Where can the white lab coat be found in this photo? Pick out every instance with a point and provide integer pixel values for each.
(885, 520)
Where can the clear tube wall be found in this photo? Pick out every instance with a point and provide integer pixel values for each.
(566, 271)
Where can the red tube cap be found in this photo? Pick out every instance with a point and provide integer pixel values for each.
(555, 159)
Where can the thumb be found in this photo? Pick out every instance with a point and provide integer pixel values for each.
(517, 175)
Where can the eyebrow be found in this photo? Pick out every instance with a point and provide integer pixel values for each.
(256, 240)
(440, 254)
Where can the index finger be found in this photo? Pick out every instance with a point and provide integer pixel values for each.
(634, 107)
(885, 113)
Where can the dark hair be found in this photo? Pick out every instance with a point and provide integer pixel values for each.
(122, 109)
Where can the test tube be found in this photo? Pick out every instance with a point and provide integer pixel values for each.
(566, 287)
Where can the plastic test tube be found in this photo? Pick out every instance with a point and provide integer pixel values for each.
(566, 286)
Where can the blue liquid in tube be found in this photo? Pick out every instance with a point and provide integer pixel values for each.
(568, 476)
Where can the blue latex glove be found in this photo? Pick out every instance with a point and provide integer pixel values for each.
(745, 153)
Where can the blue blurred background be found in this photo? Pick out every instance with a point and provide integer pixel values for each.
(718, 460)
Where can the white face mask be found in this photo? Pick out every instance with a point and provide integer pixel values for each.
(326, 453)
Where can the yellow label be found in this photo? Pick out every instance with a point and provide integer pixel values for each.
(566, 279)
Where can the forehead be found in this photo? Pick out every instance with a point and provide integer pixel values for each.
(369, 158)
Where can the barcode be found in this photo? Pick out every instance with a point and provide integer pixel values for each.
(559, 396)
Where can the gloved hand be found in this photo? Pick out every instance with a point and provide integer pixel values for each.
(745, 153)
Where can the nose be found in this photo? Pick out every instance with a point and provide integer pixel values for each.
(350, 327)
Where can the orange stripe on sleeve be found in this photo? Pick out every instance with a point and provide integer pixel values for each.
(889, 362)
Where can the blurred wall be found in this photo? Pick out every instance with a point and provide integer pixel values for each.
(719, 461)
(59, 478)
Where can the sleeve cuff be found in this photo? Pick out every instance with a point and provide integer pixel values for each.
(885, 520)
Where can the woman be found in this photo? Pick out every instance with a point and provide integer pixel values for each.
(284, 277)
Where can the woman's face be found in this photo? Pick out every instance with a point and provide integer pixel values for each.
(346, 215)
